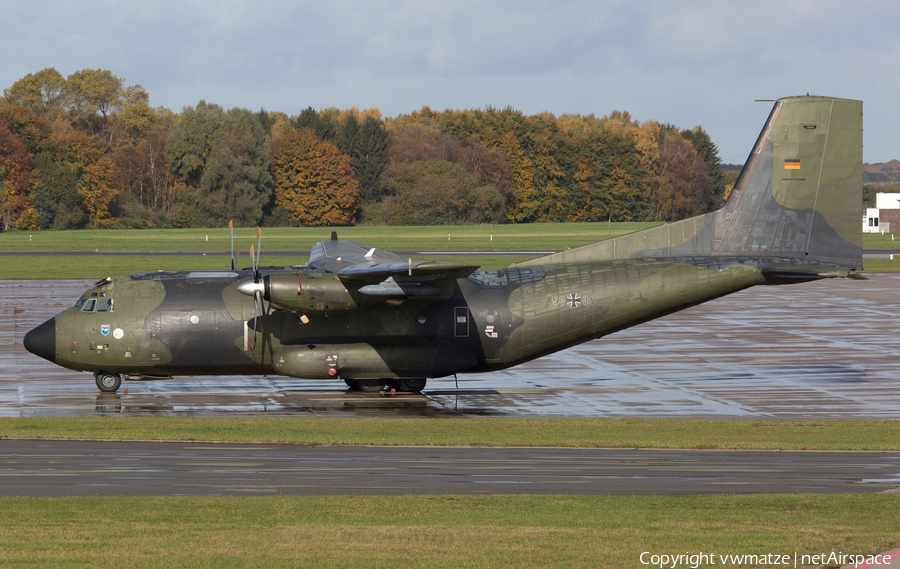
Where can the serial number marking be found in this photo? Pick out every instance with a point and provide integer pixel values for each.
(573, 300)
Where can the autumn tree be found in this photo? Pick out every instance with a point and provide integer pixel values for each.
(709, 153)
(26, 125)
(433, 192)
(680, 186)
(419, 142)
(142, 172)
(43, 92)
(15, 178)
(91, 96)
(313, 180)
(93, 171)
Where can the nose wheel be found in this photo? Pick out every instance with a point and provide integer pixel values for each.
(108, 382)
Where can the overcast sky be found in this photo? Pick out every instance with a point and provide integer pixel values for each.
(686, 63)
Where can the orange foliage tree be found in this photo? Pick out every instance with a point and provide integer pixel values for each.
(313, 180)
(15, 178)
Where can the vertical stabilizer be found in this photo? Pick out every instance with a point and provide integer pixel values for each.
(799, 196)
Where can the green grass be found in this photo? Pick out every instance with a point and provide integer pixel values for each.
(586, 433)
(530, 236)
(526, 236)
(434, 531)
(879, 241)
(882, 265)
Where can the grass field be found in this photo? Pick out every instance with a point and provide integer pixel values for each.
(879, 241)
(530, 236)
(586, 433)
(434, 531)
(524, 237)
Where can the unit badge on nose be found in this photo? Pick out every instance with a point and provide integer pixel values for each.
(104, 329)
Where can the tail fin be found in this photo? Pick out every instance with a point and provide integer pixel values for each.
(797, 201)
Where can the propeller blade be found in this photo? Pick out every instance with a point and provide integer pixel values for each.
(258, 249)
(231, 236)
(237, 258)
(253, 264)
(257, 311)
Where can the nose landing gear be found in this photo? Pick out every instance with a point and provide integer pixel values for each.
(108, 382)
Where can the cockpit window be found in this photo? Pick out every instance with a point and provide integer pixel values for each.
(79, 303)
(105, 305)
(89, 305)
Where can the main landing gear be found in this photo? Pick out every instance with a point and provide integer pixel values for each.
(108, 382)
(407, 385)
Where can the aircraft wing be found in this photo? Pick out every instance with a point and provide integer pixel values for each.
(379, 272)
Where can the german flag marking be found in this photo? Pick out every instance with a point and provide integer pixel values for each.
(792, 164)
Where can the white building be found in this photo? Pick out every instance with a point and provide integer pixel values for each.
(878, 219)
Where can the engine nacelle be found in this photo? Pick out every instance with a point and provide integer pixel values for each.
(414, 358)
(312, 292)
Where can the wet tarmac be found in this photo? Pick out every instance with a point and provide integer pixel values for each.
(104, 468)
(827, 349)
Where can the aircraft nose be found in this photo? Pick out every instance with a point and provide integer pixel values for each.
(42, 340)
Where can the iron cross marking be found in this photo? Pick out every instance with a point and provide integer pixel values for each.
(573, 300)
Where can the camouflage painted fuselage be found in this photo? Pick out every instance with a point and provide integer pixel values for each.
(356, 313)
(197, 323)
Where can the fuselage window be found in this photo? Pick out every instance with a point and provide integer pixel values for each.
(79, 303)
(89, 305)
(105, 305)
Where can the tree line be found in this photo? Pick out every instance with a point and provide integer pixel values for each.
(88, 150)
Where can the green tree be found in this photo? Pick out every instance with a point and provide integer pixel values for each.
(236, 183)
(224, 158)
(313, 180)
(323, 124)
(192, 139)
(367, 146)
(55, 196)
(266, 120)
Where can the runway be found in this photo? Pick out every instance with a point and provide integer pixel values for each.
(827, 349)
(77, 468)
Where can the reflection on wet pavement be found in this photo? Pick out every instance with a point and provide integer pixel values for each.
(828, 349)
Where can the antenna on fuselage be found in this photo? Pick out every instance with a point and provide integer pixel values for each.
(231, 236)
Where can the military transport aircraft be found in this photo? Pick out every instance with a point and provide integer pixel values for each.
(374, 319)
